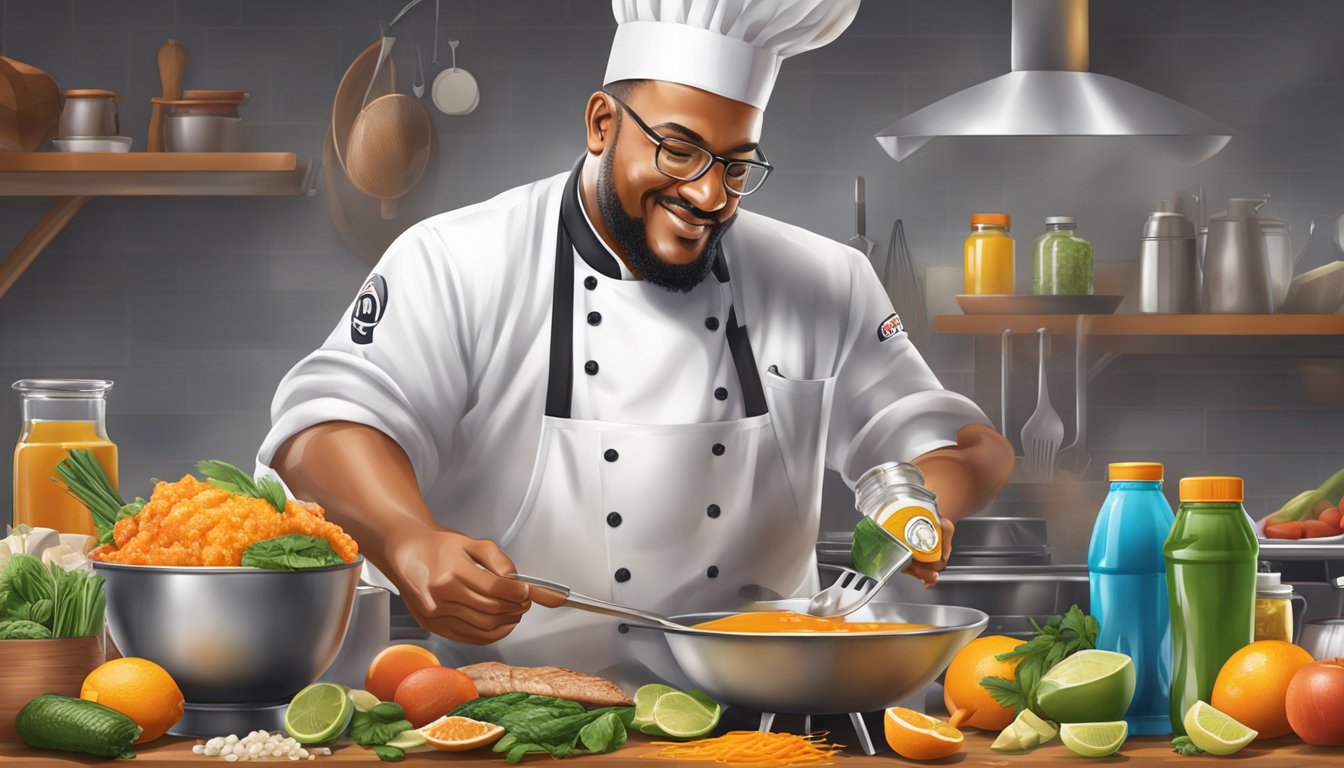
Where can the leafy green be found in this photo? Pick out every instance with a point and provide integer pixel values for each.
(369, 731)
(291, 552)
(82, 477)
(226, 476)
(389, 754)
(64, 603)
(21, 629)
(388, 712)
(542, 724)
(1182, 745)
(1059, 638)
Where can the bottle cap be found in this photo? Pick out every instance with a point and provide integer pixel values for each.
(1268, 585)
(1212, 489)
(1136, 470)
(1060, 220)
(996, 219)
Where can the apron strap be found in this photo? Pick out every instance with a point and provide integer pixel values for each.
(560, 378)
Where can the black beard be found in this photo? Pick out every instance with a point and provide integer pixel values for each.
(632, 240)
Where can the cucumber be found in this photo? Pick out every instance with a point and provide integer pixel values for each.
(74, 725)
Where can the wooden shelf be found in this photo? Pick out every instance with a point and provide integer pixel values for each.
(73, 177)
(1145, 325)
(152, 173)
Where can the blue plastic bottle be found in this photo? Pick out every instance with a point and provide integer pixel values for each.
(1129, 588)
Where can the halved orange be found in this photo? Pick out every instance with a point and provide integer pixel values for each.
(915, 736)
(459, 734)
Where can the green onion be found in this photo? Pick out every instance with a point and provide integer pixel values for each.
(81, 476)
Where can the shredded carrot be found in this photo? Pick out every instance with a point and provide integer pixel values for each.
(753, 749)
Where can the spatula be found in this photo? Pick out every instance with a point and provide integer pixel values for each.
(1075, 458)
(1044, 431)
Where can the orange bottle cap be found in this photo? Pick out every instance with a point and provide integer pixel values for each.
(1136, 470)
(1212, 489)
(995, 219)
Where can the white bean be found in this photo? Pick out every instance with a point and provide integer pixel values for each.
(232, 758)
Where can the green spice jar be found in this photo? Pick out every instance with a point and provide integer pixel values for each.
(1062, 261)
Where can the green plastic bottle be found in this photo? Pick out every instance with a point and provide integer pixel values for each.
(1211, 558)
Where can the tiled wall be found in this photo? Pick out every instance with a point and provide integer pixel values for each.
(196, 307)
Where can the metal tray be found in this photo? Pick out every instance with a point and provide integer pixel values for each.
(1030, 304)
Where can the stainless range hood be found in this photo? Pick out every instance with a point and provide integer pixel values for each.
(1050, 92)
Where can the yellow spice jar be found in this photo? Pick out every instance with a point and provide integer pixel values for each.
(1274, 608)
(988, 255)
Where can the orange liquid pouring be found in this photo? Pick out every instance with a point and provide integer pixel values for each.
(38, 501)
(788, 621)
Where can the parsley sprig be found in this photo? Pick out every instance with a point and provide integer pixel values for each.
(1059, 638)
(1182, 745)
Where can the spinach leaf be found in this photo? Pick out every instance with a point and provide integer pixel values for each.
(605, 734)
(19, 629)
(291, 552)
(224, 475)
(368, 731)
(389, 754)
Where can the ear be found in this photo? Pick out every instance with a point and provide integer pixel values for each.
(599, 119)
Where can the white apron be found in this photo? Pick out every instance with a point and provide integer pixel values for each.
(669, 518)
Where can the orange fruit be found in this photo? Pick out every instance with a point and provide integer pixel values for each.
(430, 693)
(961, 685)
(392, 665)
(459, 734)
(919, 737)
(1252, 687)
(138, 689)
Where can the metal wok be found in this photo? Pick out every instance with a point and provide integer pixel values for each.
(822, 673)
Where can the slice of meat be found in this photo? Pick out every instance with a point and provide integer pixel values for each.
(495, 679)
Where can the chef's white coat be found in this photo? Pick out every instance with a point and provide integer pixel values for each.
(453, 351)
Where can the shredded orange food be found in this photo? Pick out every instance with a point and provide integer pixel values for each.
(191, 523)
(753, 749)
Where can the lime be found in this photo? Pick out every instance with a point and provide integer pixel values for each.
(1094, 739)
(1088, 687)
(645, 698)
(408, 741)
(1215, 732)
(319, 713)
(1025, 732)
(363, 700)
(1044, 729)
(681, 716)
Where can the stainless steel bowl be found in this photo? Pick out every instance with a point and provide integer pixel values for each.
(231, 636)
(823, 673)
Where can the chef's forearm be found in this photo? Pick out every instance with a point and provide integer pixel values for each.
(968, 476)
(362, 478)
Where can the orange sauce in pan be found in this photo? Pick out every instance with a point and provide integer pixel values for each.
(788, 621)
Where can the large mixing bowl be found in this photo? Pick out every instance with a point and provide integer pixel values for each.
(231, 636)
(823, 673)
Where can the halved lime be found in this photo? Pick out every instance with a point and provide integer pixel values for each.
(1094, 739)
(645, 698)
(363, 700)
(1215, 732)
(1088, 687)
(319, 713)
(682, 717)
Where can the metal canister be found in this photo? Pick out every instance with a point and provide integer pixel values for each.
(893, 495)
(1168, 263)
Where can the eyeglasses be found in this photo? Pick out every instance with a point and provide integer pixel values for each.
(684, 161)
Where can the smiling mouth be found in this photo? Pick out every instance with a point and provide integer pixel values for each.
(687, 226)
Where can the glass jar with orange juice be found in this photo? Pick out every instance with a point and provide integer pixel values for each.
(989, 254)
(59, 415)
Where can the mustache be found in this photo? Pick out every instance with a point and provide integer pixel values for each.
(680, 203)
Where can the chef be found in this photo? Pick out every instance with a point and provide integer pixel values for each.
(618, 378)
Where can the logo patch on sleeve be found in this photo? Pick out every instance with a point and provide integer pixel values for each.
(369, 308)
(890, 327)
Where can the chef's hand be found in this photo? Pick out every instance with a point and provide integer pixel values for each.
(928, 572)
(456, 586)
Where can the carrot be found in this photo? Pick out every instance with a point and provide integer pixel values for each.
(753, 749)
(1333, 517)
(1292, 530)
(1315, 529)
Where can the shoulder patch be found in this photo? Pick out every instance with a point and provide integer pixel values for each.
(890, 327)
(369, 307)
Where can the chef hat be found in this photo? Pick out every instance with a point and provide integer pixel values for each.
(729, 47)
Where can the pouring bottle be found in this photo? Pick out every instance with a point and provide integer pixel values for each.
(1129, 588)
(1211, 564)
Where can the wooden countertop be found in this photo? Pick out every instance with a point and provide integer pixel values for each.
(1279, 753)
(1146, 325)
